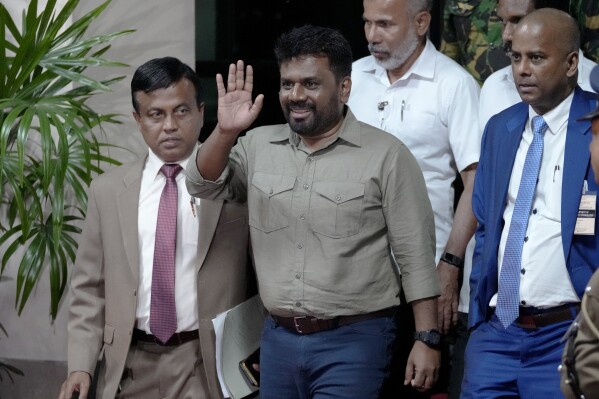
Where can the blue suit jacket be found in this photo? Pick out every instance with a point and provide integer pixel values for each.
(499, 146)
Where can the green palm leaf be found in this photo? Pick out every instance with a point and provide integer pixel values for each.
(50, 139)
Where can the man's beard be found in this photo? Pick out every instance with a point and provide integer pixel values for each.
(321, 121)
(398, 57)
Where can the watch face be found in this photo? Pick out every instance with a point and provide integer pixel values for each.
(429, 337)
(434, 337)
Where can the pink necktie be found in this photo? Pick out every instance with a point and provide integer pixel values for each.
(163, 312)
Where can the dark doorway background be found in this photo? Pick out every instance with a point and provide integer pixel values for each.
(247, 30)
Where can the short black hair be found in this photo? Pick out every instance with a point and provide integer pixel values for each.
(558, 4)
(316, 41)
(160, 73)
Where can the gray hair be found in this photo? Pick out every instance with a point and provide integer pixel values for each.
(416, 6)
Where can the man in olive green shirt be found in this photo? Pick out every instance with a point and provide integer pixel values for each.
(328, 196)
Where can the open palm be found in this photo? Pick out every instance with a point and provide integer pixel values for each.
(236, 110)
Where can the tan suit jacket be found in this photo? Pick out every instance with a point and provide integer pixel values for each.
(105, 276)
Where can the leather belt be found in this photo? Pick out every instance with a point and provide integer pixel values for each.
(309, 325)
(176, 340)
(534, 317)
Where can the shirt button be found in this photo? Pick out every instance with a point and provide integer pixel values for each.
(270, 191)
(338, 197)
(526, 239)
(534, 211)
(300, 245)
(522, 271)
(298, 276)
(306, 187)
(302, 216)
(310, 159)
(523, 303)
(134, 292)
(298, 304)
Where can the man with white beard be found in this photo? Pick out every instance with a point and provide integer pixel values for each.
(409, 89)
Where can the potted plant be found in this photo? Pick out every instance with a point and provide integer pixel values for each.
(51, 142)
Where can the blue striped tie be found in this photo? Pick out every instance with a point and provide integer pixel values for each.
(509, 279)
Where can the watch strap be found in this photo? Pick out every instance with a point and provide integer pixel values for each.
(431, 338)
(452, 260)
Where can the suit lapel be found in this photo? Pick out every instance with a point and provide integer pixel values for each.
(576, 163)
(507, 152)
(128, 209)
(209, 214)
(507, 142)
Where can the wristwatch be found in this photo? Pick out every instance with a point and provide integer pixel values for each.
(452, 260)
(432, 338)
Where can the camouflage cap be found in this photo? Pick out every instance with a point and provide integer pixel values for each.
(594, 79)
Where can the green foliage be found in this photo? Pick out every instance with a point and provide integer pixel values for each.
(49, 148)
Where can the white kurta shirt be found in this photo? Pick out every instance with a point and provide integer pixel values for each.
(433, 109)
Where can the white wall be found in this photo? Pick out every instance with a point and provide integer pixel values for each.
(162, 28)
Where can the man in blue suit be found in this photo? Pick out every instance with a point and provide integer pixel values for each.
(535, 199)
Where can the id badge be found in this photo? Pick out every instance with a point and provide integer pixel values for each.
(587, 212)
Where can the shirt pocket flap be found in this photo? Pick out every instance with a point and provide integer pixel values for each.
(108, 334)
(272, 184)
(339, 192)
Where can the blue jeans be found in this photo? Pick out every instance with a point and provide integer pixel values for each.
(349, 362)
(513, 362)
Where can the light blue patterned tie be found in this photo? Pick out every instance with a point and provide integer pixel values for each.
(509, 279)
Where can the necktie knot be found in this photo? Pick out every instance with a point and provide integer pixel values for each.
(539, 125)
(171, 170)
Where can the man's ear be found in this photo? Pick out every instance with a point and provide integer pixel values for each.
(572, 61)
(345, 89)
(422, 22)
(137, 117)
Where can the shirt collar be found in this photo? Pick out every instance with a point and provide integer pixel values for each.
(346, 132)
(424, 66)
(557, 117)
(154, 163)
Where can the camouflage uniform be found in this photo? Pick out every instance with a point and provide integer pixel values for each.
(472, 36)
(587, 14)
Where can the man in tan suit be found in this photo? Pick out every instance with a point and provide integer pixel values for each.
(114, 281)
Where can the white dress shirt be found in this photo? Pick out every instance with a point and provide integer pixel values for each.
(433, 110)
(544, 278)
(152, 183)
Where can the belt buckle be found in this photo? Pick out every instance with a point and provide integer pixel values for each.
(298, 329)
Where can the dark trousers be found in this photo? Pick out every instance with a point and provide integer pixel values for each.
(394, 387)
(456, 373)
(348, 362)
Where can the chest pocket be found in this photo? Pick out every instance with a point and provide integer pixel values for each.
(269, 201)
(336, 208)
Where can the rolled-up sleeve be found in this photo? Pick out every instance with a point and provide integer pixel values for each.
(411, 226)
